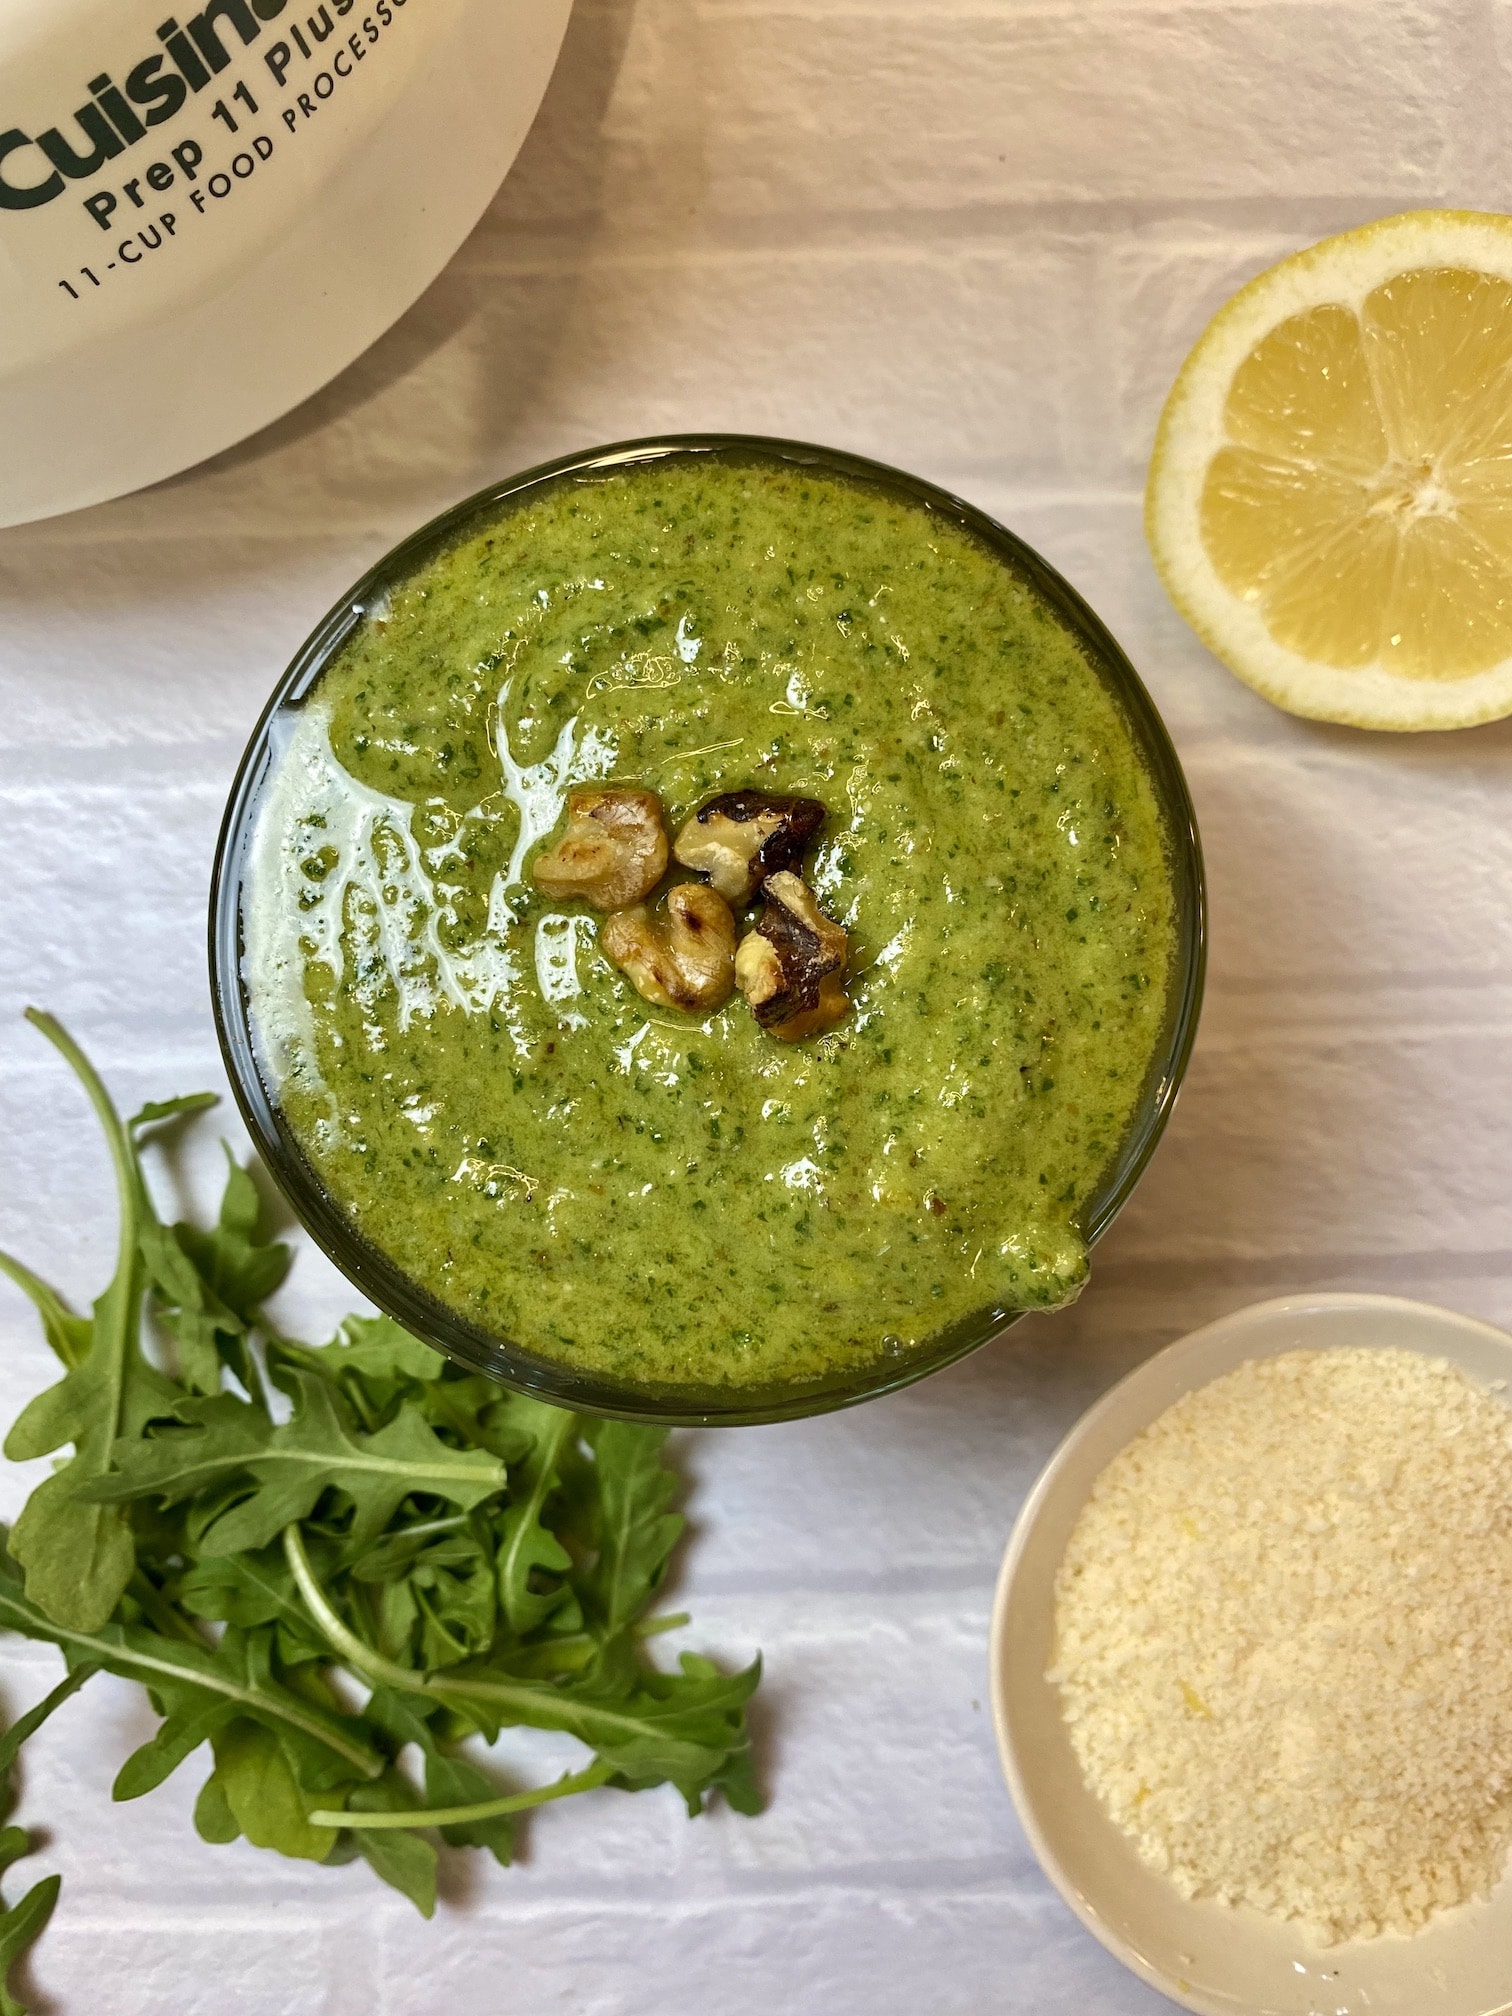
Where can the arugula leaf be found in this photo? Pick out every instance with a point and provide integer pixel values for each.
(250, 1589)
(209, 1285)
(398, 1551)
(263, 1794)
(21, 1923)
(289, 1468)
(401, 1858)
(476, 1411)
(453, 1587)
(381, 1349)
(529, 1550)
(28, 1724)
(158, 1110)
(635, 1530)
(78, 1554)
(69, 1335)
(190, 1311)
(238, 1267)
(213, 1819)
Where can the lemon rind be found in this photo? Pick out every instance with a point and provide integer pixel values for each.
(1344, 268)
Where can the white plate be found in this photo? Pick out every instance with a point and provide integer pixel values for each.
(245, 248)
(1207, 1957)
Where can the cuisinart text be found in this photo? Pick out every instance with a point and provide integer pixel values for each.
(35, 169)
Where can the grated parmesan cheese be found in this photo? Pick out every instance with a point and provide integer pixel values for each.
(1284, 1640)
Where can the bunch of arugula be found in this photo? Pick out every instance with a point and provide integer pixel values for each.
(238, 1531)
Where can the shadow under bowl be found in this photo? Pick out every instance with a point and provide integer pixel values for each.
(386, 1284)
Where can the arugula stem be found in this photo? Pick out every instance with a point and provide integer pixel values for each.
(487, 1471)
(371, 1664)
(116, 1312)
(426, 1529)
(127, 1175)
(32, 1720)
(653, 1627)
(168, 1619)
(438, 1622)
(256, 1377)
(485, 1809)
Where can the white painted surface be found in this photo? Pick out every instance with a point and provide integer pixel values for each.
(974, 237)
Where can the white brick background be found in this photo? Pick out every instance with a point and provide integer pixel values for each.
(974, 237)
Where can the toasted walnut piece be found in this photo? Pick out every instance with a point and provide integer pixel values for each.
(741, 837)
(614, 851)
(791, 968)
(685, 960)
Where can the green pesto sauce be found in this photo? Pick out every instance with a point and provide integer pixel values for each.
(672, 1201)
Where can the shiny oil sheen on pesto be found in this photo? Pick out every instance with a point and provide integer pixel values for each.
(679, 1202)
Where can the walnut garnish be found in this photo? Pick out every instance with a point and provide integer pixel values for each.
(741, 837)
(791, 968)
(614, 851)
(686, 960)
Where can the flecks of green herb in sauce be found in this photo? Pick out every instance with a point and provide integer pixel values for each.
(674, 1201)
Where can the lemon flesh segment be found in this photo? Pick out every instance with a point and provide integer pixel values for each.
(1304, 393)
(1295, 540)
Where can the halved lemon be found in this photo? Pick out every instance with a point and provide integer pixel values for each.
(1330, 498)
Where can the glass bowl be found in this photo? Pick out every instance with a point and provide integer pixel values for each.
(378, 1277)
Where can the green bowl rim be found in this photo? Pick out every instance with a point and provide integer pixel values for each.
(379, 1278)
